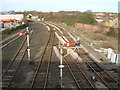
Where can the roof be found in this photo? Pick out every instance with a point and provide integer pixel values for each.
(3, 20)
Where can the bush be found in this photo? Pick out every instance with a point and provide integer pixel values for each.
(12, 30)
(111, 32)
(87, 18)
(69, 24)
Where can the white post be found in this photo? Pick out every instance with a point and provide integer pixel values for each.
(28, 54)
(28, 39)
(61, 51)
(28, 44)
(78, 40)
(61, 66)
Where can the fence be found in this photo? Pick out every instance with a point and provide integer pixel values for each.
(115, 58)
(91, 27)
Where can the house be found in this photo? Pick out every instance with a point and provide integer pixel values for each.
(115, 23)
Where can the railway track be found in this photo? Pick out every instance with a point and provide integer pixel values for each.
(79, 71)
(100, 73)
(11, 39)
(40, 77)
(8, 41)
(10, 71)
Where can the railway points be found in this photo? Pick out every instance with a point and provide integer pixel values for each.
(71, 67)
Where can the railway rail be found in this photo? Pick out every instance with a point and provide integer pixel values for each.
(79, 73)
(110, 82)
(40, 77)
(12, 68)
(98, 71)
(11, 39)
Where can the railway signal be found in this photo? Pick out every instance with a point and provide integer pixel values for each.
(20, 34)
(71, 44)
(28, 42)
(66, 46)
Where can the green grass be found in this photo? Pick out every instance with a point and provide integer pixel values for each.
(69, 24)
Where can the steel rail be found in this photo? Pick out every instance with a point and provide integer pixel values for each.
(70, 69)
(80, 69)
(94, 71)
(9, 65)
(16, 69)
(48, 66)
(11, 41)
(11, 37)
(39, 64)
(98, 64)
(72, 74)
(104, 70)
(65, 32)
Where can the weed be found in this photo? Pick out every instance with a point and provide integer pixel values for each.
(111, 32)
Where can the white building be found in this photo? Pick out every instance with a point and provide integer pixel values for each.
(11, 17)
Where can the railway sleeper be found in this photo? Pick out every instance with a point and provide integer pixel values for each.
(108, 80)
(96, 70)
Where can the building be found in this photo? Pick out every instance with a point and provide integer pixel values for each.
(34, 17)
(7, 18)
(115, 23)
(107, 19)
(99, 19)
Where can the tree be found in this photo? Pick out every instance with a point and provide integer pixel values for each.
(11, 12)
(88, 11)
(87, 18)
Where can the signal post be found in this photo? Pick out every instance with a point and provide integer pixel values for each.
(66, 46)
(28, 42)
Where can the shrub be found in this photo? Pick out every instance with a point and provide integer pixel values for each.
(12, 30)
(111, 32)
(69, 24)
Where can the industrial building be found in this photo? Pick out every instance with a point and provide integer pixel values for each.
(6, 19)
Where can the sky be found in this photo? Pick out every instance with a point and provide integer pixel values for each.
(60, 5)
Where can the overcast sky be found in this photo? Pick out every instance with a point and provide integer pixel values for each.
(60, 5)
